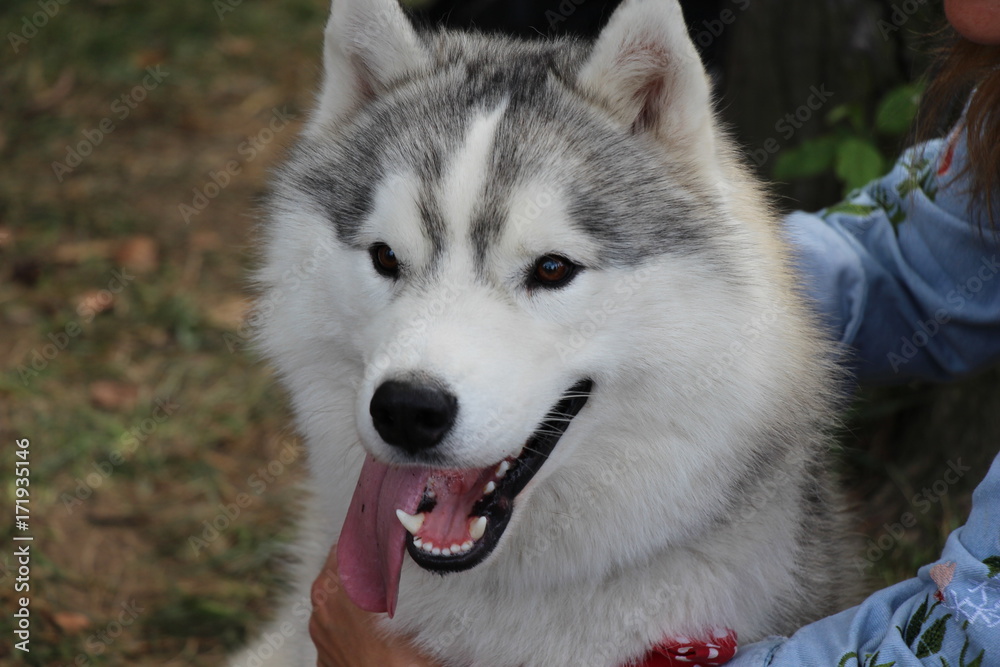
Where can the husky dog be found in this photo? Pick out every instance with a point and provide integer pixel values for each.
(542, 338)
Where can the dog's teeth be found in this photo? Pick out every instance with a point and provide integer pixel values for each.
(430, 493)
(478, 528)
(502, 469)
(417, 542)
(490, 488)
(427, 546)
(410, 522)
(446, 552)
(467, 546)
(436, 551)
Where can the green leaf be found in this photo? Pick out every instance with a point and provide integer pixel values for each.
(931, 641)
(811, 157)
(850, 208)
(858, 162)
(978, 662)
(912, 629)
(875, 663)
(944, 663)
(847, 656)
(897, 109)
(993, 562)
(851, 112)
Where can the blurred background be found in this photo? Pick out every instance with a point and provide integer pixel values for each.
(135, 143)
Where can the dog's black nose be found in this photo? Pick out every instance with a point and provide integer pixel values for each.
(411, 416)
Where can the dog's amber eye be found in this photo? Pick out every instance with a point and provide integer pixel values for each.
(384, 260)
(553, 271)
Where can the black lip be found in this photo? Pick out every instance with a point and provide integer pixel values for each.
(499, 505)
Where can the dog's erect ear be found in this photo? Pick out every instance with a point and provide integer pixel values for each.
(369, 44)
(646, 71)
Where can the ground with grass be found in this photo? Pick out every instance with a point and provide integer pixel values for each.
(135, 142)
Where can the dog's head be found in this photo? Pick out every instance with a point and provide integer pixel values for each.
(478, 236)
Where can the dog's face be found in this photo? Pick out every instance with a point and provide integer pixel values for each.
(479, 254)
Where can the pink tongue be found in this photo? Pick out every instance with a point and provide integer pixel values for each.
(372, 542)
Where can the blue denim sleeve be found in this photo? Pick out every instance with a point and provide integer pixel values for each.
(904, 272)
(948, 616)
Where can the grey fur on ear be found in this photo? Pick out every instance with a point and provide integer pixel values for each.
(368, 45)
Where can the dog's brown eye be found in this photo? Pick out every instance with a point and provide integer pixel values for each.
(385, 260)
(553, 271)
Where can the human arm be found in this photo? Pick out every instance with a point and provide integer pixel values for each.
(905, 272)
(948, 615)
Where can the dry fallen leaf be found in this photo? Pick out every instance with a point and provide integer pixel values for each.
(113, 396)
(94, 301)
(138, 253)
(71, 621)
(54, 94)
(236, 46)
(205, 240)
(228, 314)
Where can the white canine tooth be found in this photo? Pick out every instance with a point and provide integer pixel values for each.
(436, 551)
(478, 528)
(502, 469)
(490, 488)
(410, 522)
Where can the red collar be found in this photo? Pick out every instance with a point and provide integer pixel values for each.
(687, 652)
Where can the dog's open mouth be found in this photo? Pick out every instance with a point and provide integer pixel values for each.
(462, 514)
(447, 520)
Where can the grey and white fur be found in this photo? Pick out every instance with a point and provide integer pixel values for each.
(692, 490)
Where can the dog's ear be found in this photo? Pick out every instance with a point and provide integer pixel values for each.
(645, 70)
(369, 44)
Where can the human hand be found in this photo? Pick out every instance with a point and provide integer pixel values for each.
(345, 636)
